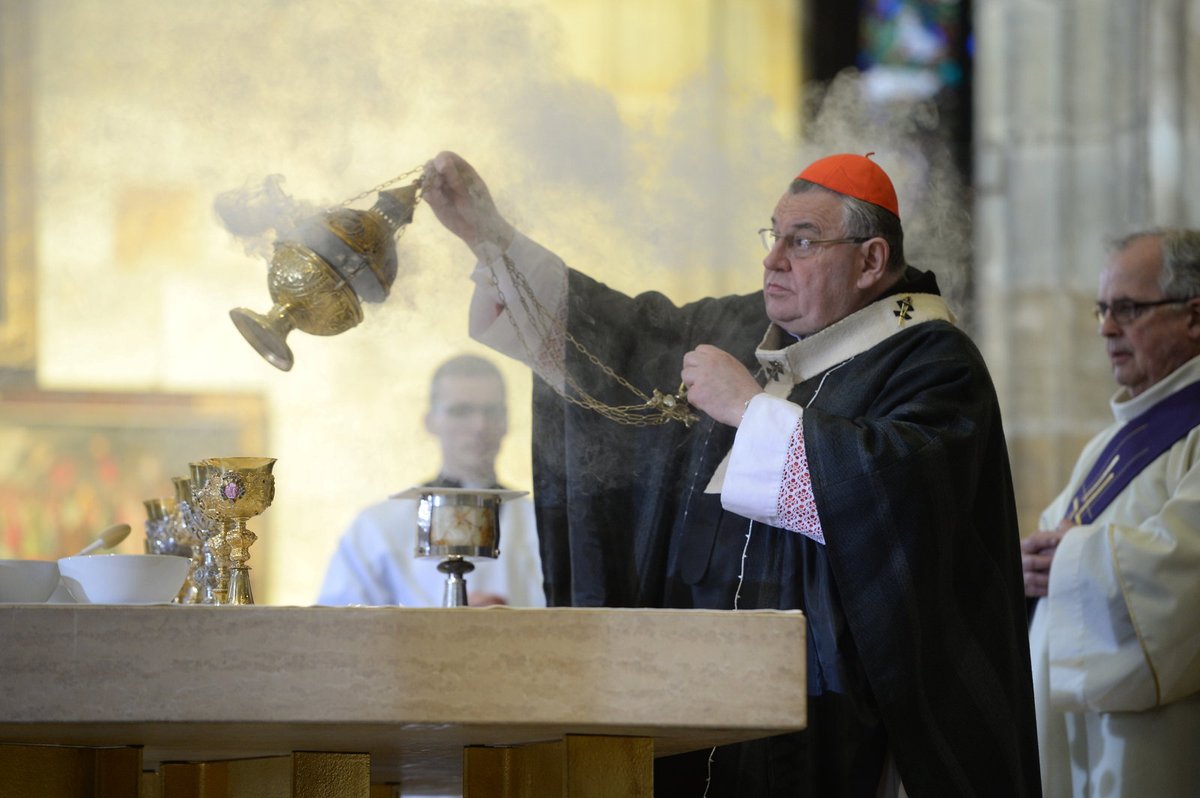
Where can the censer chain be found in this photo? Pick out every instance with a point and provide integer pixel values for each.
(655, 410)
(384, 185)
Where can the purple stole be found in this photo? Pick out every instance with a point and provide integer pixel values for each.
(1135, 446)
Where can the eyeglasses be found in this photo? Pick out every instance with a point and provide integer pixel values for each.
(797, 248)
(1125, 311)
(461, 411)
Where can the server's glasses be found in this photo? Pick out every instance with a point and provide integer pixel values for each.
(1125, 311)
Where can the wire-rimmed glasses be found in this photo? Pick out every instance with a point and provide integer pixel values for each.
(798, 248)
(1126, 311)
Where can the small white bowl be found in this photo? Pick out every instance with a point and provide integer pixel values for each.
(27, 581)
(123, 578)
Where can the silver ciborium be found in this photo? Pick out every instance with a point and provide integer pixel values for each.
(456, 525)
(342, 257)
(166, 534)
(160, 533)
(187, 534)
(212, 577)
(235, 490)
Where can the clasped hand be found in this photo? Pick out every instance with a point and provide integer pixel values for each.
(1037, 555)
(718, 384)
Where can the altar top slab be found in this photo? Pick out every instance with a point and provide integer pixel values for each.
(409, 686)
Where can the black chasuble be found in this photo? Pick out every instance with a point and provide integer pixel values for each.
(917, 639)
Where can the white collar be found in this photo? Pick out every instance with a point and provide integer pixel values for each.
(844, 339)
(1126, 407)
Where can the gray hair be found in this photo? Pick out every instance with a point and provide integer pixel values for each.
(1180, 275)
(864, 220)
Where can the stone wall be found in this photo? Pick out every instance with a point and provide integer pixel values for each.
(1087, 126)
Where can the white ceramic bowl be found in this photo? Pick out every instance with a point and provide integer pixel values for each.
(27, 581)
(123, 578)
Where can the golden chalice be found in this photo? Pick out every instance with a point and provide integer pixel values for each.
(343, 256)
(235, 490)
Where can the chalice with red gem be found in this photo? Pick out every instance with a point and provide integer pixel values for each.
(235, 490)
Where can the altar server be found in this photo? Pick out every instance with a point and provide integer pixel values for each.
(375, 564)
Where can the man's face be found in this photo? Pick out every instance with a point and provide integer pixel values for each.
(1151, 346)
(469, 418)
(805, 295)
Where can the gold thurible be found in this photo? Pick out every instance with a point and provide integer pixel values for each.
(342, 257)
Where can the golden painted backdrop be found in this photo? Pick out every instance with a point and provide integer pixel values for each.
(76, 462)
(644, 140)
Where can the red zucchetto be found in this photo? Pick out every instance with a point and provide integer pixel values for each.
(855, 176)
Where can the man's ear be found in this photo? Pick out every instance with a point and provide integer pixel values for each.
(1193, 322)
(875, 253)
(429, 421)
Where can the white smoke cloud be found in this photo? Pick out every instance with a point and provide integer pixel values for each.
(684, 192)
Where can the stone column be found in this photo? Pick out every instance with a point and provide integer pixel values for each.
(1087, 127)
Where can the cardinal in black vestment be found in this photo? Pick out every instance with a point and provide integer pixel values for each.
(849, 461)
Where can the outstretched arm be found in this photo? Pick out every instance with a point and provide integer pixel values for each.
(461, 201)
(520, 321)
